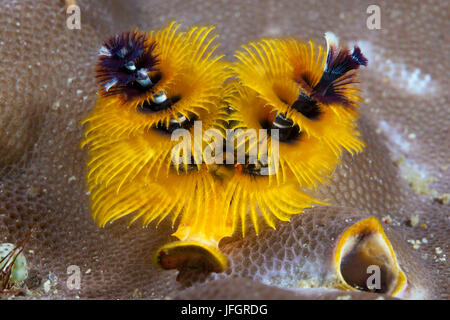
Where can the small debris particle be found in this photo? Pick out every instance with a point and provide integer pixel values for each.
(53, 278)
(438, 250)
(443, 198)
(88, 271)
(387, 219)
(55, 105)
(72, 178)
(413, 220)
(47, 286)
(137, 293)
(415, 243)
(417, 180)
(423, 225)
(412, 136)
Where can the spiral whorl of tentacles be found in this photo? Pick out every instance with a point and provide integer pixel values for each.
(157, 88)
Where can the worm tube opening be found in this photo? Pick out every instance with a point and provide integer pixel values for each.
(365, 260)
(188, 255)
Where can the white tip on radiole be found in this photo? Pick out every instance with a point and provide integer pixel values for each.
(159, 97)
(331, 39)
(143, 78)
(130, 66)
(110, 84)
(104, 52)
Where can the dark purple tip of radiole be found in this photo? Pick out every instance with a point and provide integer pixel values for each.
(358, 56)
(121, 49)
(339, 62)
(148, 59)
(120, 59)
(342, 62)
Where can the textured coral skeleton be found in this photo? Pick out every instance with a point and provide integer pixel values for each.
(42, 168)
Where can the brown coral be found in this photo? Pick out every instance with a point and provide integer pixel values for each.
(47, 86)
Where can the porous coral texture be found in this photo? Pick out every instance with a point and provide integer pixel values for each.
(47, 86)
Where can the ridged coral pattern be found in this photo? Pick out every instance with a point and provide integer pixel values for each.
(47, 87)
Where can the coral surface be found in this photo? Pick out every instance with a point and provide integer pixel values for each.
(47, 86)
